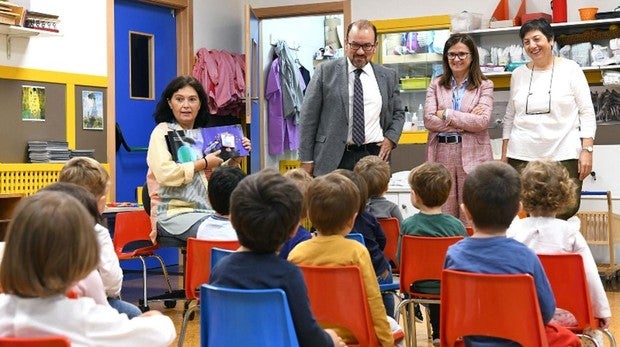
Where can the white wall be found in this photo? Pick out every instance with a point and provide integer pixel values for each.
(81, 47)
(219, 26)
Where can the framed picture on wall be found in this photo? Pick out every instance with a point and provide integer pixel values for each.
(92, 110)
(33, 103)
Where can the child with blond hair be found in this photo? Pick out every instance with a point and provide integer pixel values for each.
(48, 249)
(90, 174)
(547, 190)
(376, 173)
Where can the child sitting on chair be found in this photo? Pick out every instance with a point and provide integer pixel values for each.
(302, 180)
(430, 187)
(48, 249)
(223, 180)
(333, 202)
(490, 203)
(90, 174)
(547, 190)
(376, 173)
(265, 211)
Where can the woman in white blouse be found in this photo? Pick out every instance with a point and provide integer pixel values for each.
(549, 113)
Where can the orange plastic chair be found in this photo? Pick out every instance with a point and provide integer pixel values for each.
(568, 281)
(482, 305)
(41, 341)
(391, 228)
(132, 241)
(338, 299)
(197, 273)
(421, 258)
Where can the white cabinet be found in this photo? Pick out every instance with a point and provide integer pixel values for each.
(401, 196)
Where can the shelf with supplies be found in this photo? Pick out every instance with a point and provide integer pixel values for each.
(13, 31)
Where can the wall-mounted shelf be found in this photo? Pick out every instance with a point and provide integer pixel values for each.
(11, 31)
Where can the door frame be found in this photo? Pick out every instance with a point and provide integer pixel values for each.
(184, 13)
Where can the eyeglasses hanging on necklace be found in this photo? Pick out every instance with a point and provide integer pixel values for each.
(537, 105)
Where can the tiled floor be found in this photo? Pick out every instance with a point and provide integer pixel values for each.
(132, 291)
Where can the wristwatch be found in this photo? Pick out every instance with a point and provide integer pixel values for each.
(589, 149)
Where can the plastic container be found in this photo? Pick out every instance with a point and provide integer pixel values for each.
(560, 13)
(414, 82)
(588, 13)
(465, 21)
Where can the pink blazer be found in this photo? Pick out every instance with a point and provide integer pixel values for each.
(476, 144)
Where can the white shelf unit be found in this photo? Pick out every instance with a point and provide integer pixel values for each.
(13, 31)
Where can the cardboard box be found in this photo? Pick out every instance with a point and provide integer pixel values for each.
(504, 17)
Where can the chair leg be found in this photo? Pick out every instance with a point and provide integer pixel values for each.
(145, 306)
(406, 308)
(429, 328)
(610, 336)
(185, 321)
(165, 271)
(589, 338)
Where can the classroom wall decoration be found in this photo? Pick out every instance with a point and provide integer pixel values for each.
(92, 110)
(33, 103)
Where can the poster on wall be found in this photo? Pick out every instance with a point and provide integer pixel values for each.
(33, 103)
(92, 110)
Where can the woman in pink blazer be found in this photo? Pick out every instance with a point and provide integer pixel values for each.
(457, 115)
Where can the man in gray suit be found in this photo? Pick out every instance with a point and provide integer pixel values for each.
(326, 140)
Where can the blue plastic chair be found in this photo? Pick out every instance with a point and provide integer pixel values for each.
(217, 254)
(245, 317)
(388, 287)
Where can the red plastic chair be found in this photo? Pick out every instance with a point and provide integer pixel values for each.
(338, 299)
(197, 273)
(134, 228)
(488, 305)
(391, 228)
(41, 341)
(568, 281)
(421, 258)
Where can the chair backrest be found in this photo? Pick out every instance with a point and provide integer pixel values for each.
(199, 262)
(474, 304)
(338, 298)
(41, 341)
(391, 228)
(131, 227)
(568, 281)
(245, 317)
(356, 237)
(217, 254)
(422, 258)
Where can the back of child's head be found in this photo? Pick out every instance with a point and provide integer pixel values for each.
(86, 172)
(222, 182)
(332, 200)
(265, 209)
(491, 194)
(547, 188)
(50, 245)
(80, 193)
(431, 182)
(376, 173)
(302, 179)
(361, 187)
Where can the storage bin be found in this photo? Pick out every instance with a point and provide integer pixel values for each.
(288, 165)
(409, 83)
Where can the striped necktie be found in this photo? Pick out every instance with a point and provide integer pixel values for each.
(358, 133)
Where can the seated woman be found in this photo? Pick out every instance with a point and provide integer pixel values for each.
(178, 191)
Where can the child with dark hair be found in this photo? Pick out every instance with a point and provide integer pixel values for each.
(491, 200)
(49, 247)
(333, 202)
(430, 187)
(547, 190)
(376, 173)
(302, 180)
(265, 211)
(222, 182)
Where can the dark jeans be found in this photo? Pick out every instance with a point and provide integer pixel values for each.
(572, 166)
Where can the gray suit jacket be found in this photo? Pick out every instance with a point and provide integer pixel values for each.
(325, 113)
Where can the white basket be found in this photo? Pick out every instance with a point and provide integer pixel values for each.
(465, 21)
